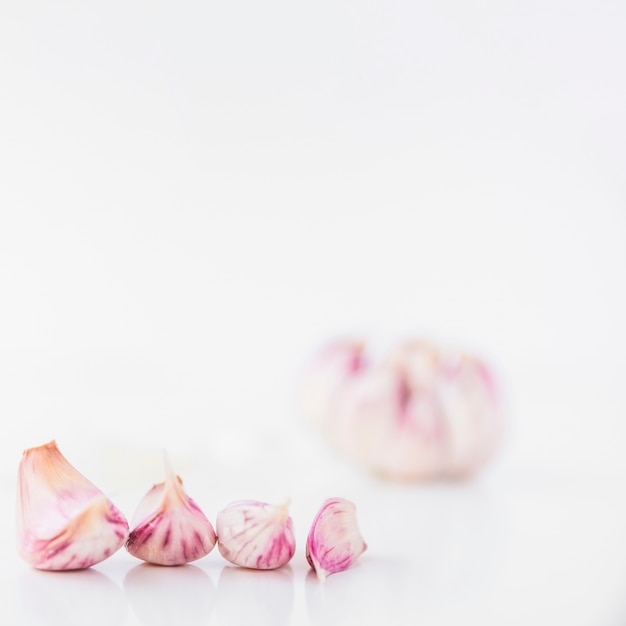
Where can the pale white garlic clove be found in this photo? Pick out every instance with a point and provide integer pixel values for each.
(334, 542)
(256, 534)
(64, 521)
(168, 527)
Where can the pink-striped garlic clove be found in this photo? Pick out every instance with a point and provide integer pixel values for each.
(256, 534)
(334, 542)
(169, 528)
(64, 521)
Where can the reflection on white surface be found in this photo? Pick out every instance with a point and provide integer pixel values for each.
(362, 594)
(170, 595)
(70, 598)
(458, 541)
(246, 596)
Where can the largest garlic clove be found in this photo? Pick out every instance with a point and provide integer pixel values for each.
(256, 534)
(63, 520)
(334, 542)
(168, 527)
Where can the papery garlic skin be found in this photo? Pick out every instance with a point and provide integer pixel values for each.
(256, 534)
(334, 542)
(169, 528)
(419, 413)
(63, 521)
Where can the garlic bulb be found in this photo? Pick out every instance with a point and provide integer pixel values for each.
(334, 541)
(63, 520)
(168, 527)
(417, 414)
(256, 534)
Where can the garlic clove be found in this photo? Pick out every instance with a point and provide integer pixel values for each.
(334, 542)
(168, 527)
(63, 521)
(256, 534)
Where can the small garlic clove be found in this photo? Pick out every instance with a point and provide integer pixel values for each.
(63, 520)
(168, 527)
(256, 534)
(334, 542)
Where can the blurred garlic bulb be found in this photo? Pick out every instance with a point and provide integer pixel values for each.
(334, 542)
(417, 414)
(169, 528)
(256, 534)
(63, 521)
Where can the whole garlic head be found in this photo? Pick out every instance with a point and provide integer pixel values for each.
(334, 542)
(419, 413)
(256, 534)
(63, 520)
(169, 528)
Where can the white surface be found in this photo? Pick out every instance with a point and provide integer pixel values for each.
(193, 198)
(541, 551)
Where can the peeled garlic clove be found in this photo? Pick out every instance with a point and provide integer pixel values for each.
(63, 520)
(169, 528)
(334, 542)
(256, 534)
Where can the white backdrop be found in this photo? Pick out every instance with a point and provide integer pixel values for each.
(193, 198)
